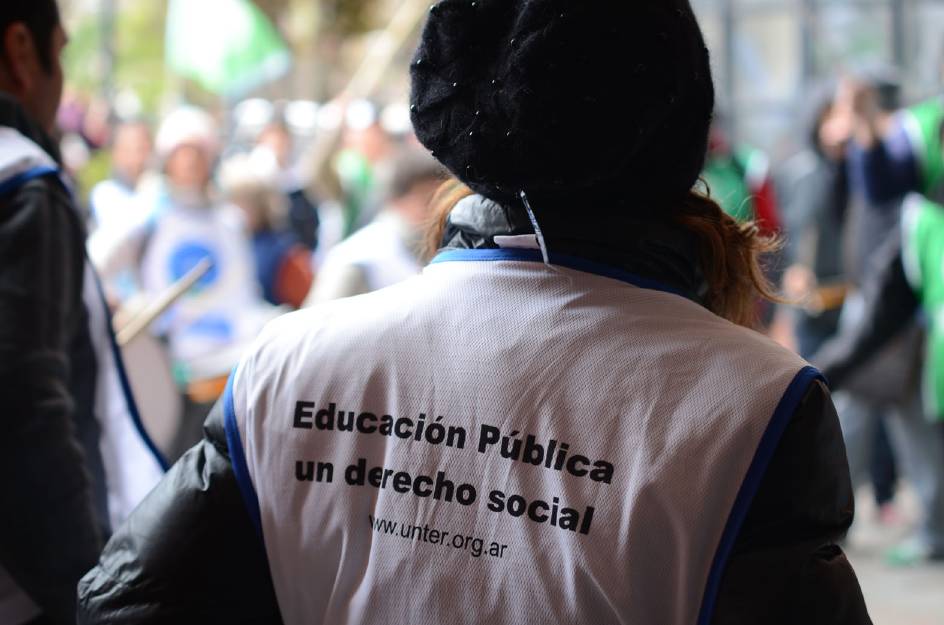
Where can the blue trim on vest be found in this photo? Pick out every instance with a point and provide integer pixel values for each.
(126, 384)
(755, 475)
(563, 260)
(17, 181)
(238, 457)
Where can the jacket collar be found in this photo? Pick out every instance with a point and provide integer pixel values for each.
(656, 250)
(13, 116)
(22, 159)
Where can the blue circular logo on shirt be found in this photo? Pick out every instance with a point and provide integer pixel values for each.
(188, 255)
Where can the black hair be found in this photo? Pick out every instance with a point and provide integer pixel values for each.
(41, 18)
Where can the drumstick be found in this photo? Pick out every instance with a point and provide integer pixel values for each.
(146, 317)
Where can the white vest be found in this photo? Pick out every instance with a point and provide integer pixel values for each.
(379, 249)
(210, 326)
(506, 442)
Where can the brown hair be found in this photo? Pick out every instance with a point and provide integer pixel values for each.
(444, 200)
(729, 252)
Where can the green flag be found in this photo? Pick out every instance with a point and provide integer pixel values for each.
(227, 46)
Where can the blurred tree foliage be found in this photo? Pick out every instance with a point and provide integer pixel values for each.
(318, 31)
(348, 17)
(139, 42)
(138, 48)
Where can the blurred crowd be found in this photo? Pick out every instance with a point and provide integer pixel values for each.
(291, 204)
(296, 203)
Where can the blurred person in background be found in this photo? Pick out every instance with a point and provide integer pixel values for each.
(583, 292)
(122, 201)
(283, 265)
(816, 191)
(907, 277)
(885, 383)
(865, 105)
(115, 200)
(390, 248)
(206, 329)
(365, 146)
(73, 456)
(275, 143)
(897, 154)
(84, 127)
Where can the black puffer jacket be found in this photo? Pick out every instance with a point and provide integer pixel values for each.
(190, 552)
(890, 306)
(53, 513)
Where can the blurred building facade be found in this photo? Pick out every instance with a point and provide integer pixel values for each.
(767, 53)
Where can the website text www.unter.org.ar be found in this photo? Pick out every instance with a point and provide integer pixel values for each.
(476, 547)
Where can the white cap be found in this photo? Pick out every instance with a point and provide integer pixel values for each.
(188, 126)
(257, 169)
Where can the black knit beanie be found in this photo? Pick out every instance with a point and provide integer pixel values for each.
(589, 101)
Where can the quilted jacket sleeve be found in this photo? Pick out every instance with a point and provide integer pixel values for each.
(188, 554)
(787, 567)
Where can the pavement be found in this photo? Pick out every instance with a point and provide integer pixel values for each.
(895, 595)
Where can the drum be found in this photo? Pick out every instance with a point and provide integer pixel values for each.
(157, 395)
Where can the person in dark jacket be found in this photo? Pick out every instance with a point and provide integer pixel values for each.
(76, 459)
(906, 279)
(816, 196)
(561, 306)
(885, 387)
(899, 154)
(53, 521)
